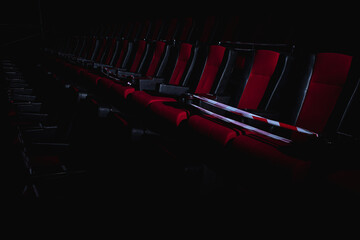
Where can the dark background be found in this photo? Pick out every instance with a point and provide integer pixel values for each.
(26, 25)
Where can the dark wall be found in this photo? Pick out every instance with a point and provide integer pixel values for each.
(23, 23)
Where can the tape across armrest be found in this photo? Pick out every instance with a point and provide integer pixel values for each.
(253, 116)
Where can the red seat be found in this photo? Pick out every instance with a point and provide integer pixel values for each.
(144, 98)
(263, 67)
(329, 75)
(176, 115)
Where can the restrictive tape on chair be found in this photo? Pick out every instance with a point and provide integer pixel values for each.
(242, 125)
(253, 116)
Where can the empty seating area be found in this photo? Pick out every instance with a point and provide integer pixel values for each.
(182, 108)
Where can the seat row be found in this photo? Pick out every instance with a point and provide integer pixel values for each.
(261, 115)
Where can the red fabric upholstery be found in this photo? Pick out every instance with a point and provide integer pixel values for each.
(207, 29)
(111, 51)
(216, 54)
(207, 126)
(105, 83)
(263, 68)
(184, 56)
(138, 55)
(186, 29)
(169, 113)
(144, 99)
(176, 115)
(122, 54)
(121, 90)
(171, 29)
(263, 154)
(328, 78)
(329, 75)
(159, 49)
(94, 78)
(101, 50)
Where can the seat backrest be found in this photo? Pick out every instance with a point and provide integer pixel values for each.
(156, 58)
(111, 51)
(186, 30)
(233, 81)
(182, 62)
(120, 54)
(252, 77)
(141, 46)
(211, 69)
(330, 73)
(171, 30)
(265, 62)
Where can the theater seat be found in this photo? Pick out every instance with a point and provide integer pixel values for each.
(175, 114)
(251, 93)
(323, 93)
(122, 91)
(144, 98)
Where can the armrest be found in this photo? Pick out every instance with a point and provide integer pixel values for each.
(101, 66)
(172, 90)
(122, 74)
(149, 84)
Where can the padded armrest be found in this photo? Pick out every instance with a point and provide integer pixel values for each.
(149, 84)
(172, 90)
(128, 74)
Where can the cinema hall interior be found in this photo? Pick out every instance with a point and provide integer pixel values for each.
(128, 103)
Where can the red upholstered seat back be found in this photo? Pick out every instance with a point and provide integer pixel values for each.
(122, 54)
(138, 55)
(186, 30)
(111, 51)
(158, 52)
(182, 60)
(102, 49)
(263, 68)
(326, 83)
(213, 62)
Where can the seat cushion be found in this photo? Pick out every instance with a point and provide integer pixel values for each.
(171, 113)
(143, 98)
(326, 84)
(121, 90)
(105, 83)
(92, 77)
(266, 155)
(208, 127)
